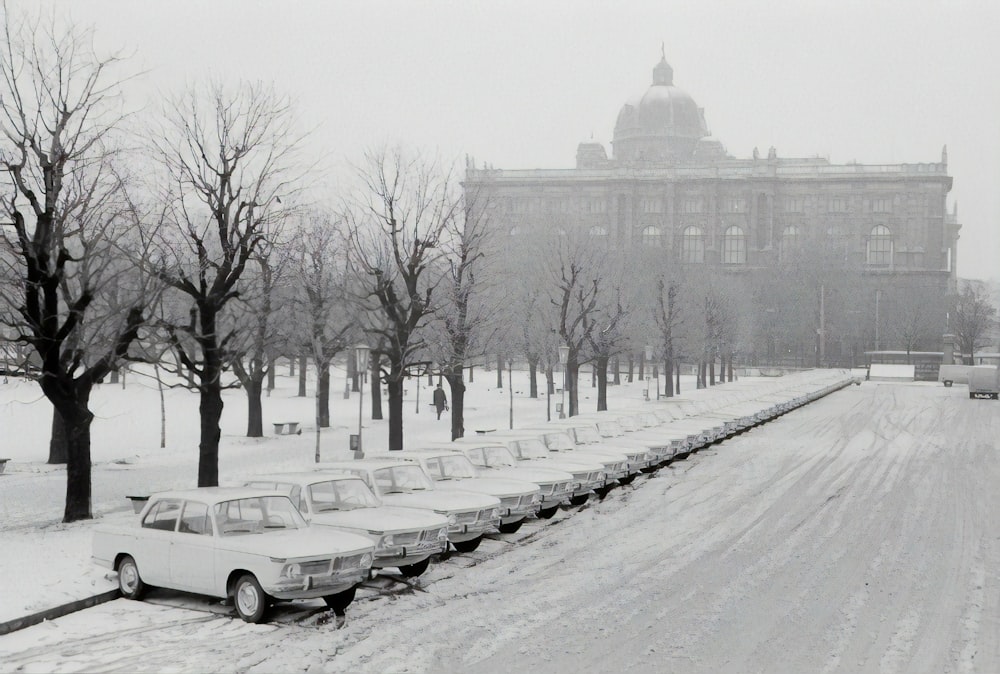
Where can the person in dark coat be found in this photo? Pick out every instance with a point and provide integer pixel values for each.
(440, 400)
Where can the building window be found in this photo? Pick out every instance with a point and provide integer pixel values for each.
(651, 237)
(794, 205)
(693, 245)
(881, 205)
(789, 244)
(838, 205)
(734, 246)
(693, 205)
(880, 246)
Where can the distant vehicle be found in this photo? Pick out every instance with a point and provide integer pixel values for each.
(250, 545)
(983, 383)
(404, 484)
(404, 538)
(449, 469)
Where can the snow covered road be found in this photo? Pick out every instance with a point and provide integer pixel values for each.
(857, 534)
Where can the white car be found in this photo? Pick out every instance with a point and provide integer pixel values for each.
(587, 438)
(588, 475)
(405, 484)
(615, 464)
(404, 538)
(453, 470)
(495, 459)
(251, 545)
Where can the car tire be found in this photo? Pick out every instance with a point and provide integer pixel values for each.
(414, 570)
(468, 546)
(511, 527)
(548, 513)
(129, 581)
(578, 500)
(604, 491)
(340, 601)
(249, 599)
(628, 479)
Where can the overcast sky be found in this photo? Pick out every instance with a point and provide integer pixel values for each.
(519, 84)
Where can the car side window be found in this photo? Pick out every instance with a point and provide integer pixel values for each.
(435, 468)
(195, 519)
(163, 515)
(478, 457)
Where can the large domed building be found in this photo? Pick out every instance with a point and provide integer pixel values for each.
(673, 196)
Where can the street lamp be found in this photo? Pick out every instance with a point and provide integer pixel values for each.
(361, 365)
(563, 359)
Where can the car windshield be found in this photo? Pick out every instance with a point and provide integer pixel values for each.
(627, 424)
(397, 479)
(559, 441)
(610, 429)
(341, 495)
(451, 467)
(498, 456)
(530, 448)
(257, 515)
(587, 434)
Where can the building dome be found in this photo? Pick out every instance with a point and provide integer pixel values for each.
(662, 124)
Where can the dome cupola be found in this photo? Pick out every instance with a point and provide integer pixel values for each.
(661, 124)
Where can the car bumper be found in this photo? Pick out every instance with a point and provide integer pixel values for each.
(311, 587)
(408, 554)
(466, 532)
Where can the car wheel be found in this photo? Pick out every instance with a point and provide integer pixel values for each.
(511, 527)
(340, 601)
(649, 469)
(129, 582)
(249, 599)
(578, 500)
(604, 491)
(548, 513)
(468, 546)
(627, 479)
(414, 570)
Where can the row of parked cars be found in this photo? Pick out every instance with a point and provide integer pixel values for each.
(319, 534)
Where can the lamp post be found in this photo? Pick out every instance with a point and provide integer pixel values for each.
(361, 364)
(563, 359)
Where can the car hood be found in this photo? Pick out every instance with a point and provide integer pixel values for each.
(537, 475)
(297, 543)
(383, 519)
(443, 500)
(598, 455)
(495, 486)
(569, 465)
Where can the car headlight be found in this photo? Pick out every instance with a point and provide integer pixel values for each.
(291, 571)
(494, 513)
(386, 541)
(442, 533)
(366, 561)
(536, 498)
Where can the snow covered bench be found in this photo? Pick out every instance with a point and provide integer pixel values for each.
(286, 428)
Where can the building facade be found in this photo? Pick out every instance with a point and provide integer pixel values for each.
(671, 189)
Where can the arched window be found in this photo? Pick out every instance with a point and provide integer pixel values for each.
(788, 247)
(734, 246)
(880, 246)
(651, 237)
(693, 245)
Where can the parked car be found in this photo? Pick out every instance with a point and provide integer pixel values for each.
(453, 470)
(587, 438)
(615, 464)
(250, 545)
(588, 474)
(404, 538)
(405, 484)
(495, 459)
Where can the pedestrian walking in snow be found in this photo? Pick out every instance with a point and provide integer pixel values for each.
(440, 400)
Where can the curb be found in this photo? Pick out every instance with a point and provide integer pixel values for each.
(57, 612)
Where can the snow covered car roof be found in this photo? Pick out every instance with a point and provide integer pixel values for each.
(213, 495)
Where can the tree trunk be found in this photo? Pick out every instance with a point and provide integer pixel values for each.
(457, 386)
(58, 451)
(375, 385)
(395, 386)
(270, 372)
(711, 371)
(668, 386)
(677, 388)
(291, 367)
(210, 413)
(533, 378)
(77, 419)
(472, 375)
(499, 370)
(572, 377)
(550, 380)
(617, 365)
(601, 369)
(324, 394)
(642, 368)
(303, 366)
(255, 417)
(631, 369)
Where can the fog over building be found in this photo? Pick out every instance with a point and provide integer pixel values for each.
(670, 192)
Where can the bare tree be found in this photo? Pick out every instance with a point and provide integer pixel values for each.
(230, 156)
(395, 226)
(669, 321)
(59, 106)
(972, 318)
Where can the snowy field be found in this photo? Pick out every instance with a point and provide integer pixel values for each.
(856, 534)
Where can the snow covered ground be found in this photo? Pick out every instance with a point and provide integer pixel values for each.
(856, 534)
